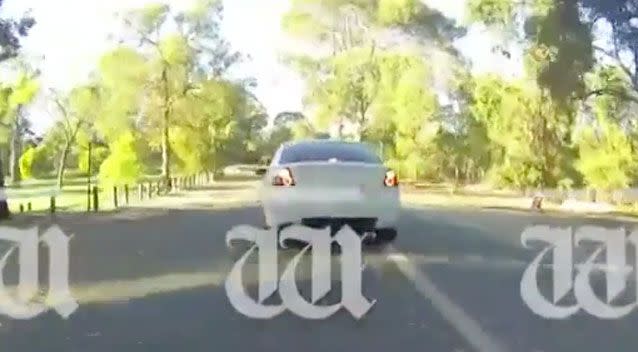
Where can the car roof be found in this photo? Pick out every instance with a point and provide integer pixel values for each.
(318, 141)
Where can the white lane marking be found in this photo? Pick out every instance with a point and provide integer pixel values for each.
(465, 325)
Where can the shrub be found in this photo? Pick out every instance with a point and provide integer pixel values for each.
(26, 163)
(123, 164)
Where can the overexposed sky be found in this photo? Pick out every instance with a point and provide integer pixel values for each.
(72, 35)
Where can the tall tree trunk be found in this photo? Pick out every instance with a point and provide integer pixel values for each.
(166, 147)
(166, 152)
(62, 165)
(16, 150)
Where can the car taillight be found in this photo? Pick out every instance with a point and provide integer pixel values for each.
(283, 178)
(391, 179)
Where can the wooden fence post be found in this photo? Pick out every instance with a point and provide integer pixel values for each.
(115, 197)
(96, 197)
(149, 188)
(29, 206)
(140, 191)
(126, 200)
(21, 208)
(52, 204)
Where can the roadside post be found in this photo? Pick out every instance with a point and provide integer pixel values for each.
(4, 206)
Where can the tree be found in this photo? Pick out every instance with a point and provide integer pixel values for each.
(11, 31)
(246, 141)
(79, 108)
(605, 159)
(20, 93)
(566, 61)
(208, 125)
(405, 114)
(178, 62)
(530, 133)
(286, 117)
(346, 90)
(606, 155)
(562, 33)
(339, 23)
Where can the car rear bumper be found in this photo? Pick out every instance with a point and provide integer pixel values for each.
(289, 208)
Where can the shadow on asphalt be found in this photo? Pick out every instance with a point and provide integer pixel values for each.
(138, 243)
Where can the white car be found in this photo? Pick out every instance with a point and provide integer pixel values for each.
(321, 183)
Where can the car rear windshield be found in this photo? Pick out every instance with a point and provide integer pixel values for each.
(346, 152)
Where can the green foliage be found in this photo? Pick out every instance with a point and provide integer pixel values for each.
(19, 93)
(606, 159)
(149, 18)
(123, 165)
(303, 129)
(208, 125)
(391, 12)
(175, 50)
(350, 89)
(528, 132)
(304, 25)
(492, 12)
(414, 118)
(36, 162)
(23, 91)
(26, 163)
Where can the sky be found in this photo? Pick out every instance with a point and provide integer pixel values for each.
(72, 35)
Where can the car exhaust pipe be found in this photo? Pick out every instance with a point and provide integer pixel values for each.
(369, 235)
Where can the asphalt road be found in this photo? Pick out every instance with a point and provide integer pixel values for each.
(153, 280)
